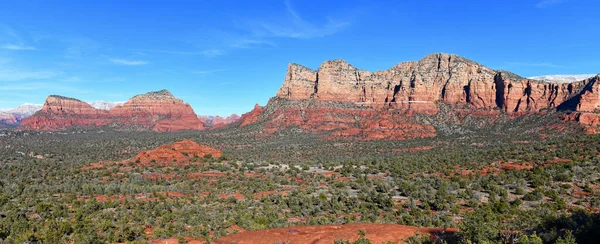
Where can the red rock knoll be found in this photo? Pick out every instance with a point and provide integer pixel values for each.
(180, 152)
(376, 233)
(157, 111)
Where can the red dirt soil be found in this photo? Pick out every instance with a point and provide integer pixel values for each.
(376, 233)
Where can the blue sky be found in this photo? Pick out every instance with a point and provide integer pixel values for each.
(222, 57)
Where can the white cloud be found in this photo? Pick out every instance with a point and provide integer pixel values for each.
(294, 26)
(548, 3)
(249, 43)
(127, 62)
(18, 47)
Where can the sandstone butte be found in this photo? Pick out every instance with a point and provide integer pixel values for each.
(379, 105)
(157, 111)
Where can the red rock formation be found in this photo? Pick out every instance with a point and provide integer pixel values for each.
(379, 105)
(158, 111)
(585, 106)
(218, 121)
(180, 152)
(348, 123)
(252, 116)
(419, 85)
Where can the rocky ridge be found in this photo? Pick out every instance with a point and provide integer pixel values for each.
(347, 101)
(419, 85)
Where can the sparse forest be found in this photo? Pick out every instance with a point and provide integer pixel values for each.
(508, 189)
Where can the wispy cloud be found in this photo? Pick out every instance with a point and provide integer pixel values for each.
(548, 3)
(250, 43)
(19, 75)
(42, 86)
(207, 53)
(22, 87)
(295, 26)
(128, 62)
(18, 47)
(206, 72)
(542, 64)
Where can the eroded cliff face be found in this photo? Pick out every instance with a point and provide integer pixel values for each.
(388, 99)
(585, 105)
(157, 111)
(419, 85)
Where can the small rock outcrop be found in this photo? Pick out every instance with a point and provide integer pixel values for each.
(158, 111)
(179, 152)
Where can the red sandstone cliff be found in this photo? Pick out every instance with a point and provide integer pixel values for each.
(419, 85)
(157, 111)
(379, 105)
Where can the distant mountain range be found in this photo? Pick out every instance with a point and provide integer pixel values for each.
(562, 78)
(12, 117)
(105, 105)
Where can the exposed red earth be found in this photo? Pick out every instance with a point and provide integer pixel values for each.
(376, 233)
(157, 111)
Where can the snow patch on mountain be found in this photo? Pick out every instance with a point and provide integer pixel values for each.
(105, 105)
(561, 78)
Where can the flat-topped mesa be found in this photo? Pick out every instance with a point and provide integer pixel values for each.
(418, 86)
